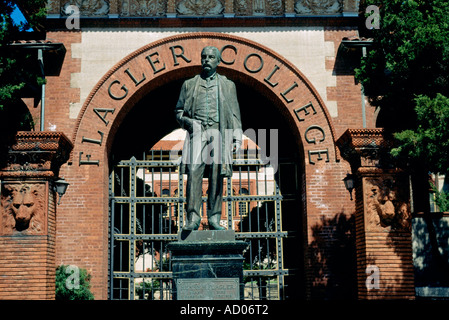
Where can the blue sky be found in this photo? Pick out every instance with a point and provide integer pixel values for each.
(18, 17)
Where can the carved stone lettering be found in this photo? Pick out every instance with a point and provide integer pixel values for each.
(105, 112)
(229, 46)
(96, 141)
(22, 207)
(208, 289)
(251, 61)
(154, 61)
(268, 79)
(318, 153)
(306, 111)
(114, 96)
(313, 140)
(284, 94)
(88, 161)
(179, 54)
(136, 82)
(259, 65)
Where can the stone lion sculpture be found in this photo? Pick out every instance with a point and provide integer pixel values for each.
(22, 207)
(387, 206)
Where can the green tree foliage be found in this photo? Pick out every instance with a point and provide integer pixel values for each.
(409, 58)
(14, 74)
(72, 283)
(429, 141)
(18, 73)
(406, 75)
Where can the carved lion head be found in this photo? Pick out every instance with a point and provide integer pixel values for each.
(23, 209)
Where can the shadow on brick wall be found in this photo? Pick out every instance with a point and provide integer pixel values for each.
(431, 255)
(332, 258)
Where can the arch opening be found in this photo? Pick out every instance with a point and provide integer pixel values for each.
(140, 136)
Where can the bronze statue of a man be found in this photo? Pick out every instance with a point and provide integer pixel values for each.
(208, 109)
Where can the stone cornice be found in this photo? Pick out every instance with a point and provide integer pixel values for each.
(36, 154)
(367, 149)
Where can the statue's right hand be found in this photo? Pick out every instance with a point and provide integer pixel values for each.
(188, 124)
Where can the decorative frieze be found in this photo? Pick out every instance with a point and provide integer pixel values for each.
(318, 7)
(143, 8)
(92, 8)
(259, 8)
(200, 8)
(203, 8)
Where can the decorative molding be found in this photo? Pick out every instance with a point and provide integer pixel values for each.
(367, 148)
(318, 7)
(259, 8)
(143, 8)
(37, 154)
(202, 8)
(87, 7)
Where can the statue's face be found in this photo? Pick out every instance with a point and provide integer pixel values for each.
(209, 60)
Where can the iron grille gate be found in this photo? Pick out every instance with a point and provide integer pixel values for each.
(146, 201)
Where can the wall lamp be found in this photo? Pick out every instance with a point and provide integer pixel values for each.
(60, 187)
(349, 181)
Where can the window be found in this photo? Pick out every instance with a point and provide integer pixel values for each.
(243, 205)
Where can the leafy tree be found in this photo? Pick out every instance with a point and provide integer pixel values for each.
(430, 139)
(13, 73)
(18, 73)
(406, 75)
(72, 285)
(429, 142)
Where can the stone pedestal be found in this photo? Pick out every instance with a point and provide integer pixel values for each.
(28, 215)
(383, 217)
(207, 265)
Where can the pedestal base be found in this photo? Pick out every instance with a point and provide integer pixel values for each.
(207, 265)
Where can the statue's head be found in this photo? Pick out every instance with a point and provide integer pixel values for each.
(210, 58)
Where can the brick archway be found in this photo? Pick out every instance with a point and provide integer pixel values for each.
(178, 57)
(160, 63)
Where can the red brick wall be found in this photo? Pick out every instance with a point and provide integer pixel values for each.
(81, 232)
(58, 93)
(386, 248)
(347, 92)
(27, 262)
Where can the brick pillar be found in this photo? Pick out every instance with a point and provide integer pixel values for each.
(383, 217)
(28, 215)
